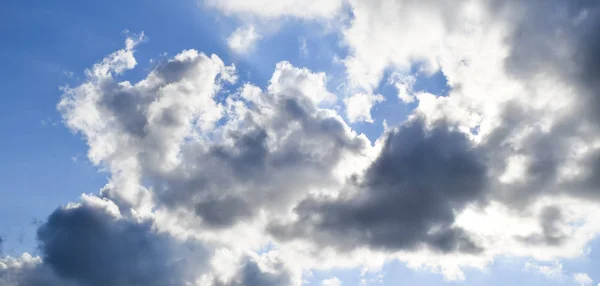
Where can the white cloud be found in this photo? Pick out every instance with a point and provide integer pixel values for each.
(333, 281)
(358, 106)
(583, 279)
(308, 9)
(288, 79)
(243, 39)
(395, 34)
(303, 46)
(553, 271)
(404, 85)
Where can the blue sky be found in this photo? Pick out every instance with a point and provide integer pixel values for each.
(48, 46)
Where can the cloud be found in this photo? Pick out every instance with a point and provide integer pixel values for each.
(369, 37)
(551, 232)
(242, 40)
(29, 271)
(554, 271)
(168, 122)
(516, 97)
(208, 168)
(583, 279)
(358, 106)
(274, 9)
(515, 142)
(303, 46)
(151, 117)
(405, 200)
(91, 243)
(333, 281)
(404, 85)
(263, 18)
(545, 148)
(251, 274)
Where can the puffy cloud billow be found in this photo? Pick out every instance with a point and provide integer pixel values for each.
(213, 182)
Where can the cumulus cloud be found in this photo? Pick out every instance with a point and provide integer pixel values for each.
(514, 143)
(333, 281)
(582, 279)
(266, 139)
(210, 168)
(91, 243)
(358, 106)
(523, 94)
(516, 97)
(404, 85)
(243, 39)
(405, 32)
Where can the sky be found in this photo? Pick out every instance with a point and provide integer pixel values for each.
(300, 142)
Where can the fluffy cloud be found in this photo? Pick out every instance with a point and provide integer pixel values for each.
(242, 40)
(551, 271)
(505, 164)
(334, 281)
(212, 167)
(358, 106)
(396, 34)
(404, 85)
(582, 279)
(527, 103)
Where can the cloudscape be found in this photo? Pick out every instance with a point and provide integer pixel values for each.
(300, 142)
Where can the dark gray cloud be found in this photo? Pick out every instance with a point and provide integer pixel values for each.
(560, 37)
(223, 212)
(590, 184)
(559, 40)
(407, 198)
(87, 246)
